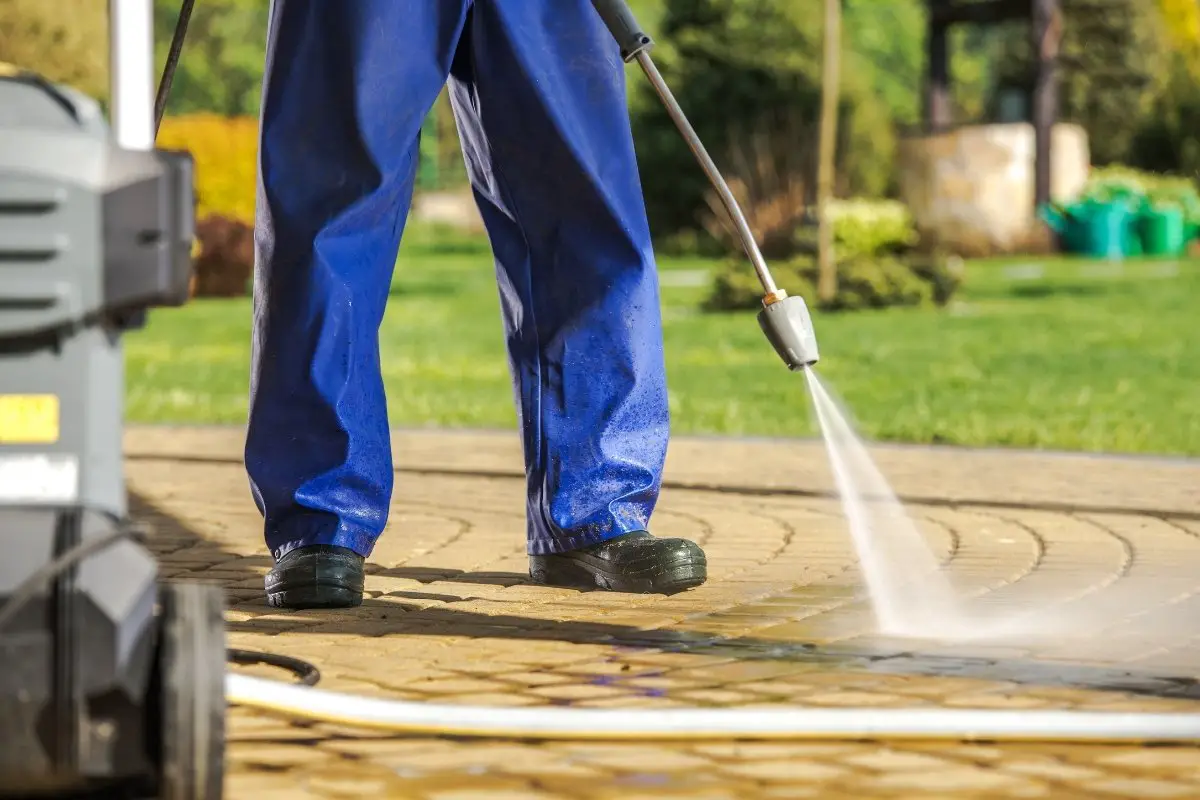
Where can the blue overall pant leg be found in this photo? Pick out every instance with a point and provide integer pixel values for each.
(538, 91)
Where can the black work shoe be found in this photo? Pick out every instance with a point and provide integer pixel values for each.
(317, 576)
(635, 563)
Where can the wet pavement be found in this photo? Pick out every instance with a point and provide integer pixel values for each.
(1108, 548)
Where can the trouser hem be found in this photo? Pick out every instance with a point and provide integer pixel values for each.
(550, 546)
(297, 536)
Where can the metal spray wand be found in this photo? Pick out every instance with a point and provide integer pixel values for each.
(784, 318)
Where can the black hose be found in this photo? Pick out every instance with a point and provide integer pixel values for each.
(29, 588)
(168, 74)
(307, 674)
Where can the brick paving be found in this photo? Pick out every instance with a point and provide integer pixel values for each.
(451, 617)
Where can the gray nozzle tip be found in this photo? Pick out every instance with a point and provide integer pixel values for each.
(789, 329)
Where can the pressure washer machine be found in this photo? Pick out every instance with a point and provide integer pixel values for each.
(111, 681)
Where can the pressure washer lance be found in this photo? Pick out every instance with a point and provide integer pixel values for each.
(784, 318)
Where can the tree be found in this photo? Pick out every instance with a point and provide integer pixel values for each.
(827, 150)
(67, 41)
(744, 69)
(1181, 23)
(1167, 141)
(64, 40)
(887, 41)
(1113, 62)
(221, 66)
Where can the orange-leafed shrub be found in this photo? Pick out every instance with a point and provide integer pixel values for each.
(225, 150)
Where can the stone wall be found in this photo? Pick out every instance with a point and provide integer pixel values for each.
(972, 188)
(454, 209)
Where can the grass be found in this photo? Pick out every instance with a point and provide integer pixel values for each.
(1067, 355)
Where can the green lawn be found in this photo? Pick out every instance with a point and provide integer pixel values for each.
(1083, 356)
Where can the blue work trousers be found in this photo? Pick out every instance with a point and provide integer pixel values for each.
(538, 90)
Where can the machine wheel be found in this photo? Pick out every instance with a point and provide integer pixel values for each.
(193, 692)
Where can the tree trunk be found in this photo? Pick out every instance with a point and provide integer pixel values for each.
(1047, 35)
(827, 264)
(937, 81)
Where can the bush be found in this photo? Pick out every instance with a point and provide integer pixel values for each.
(869, 227)
(879, 265)
(1109, 182)
(1145, 190)
(225, 261)
(225, 150)
(863, 283)
(863, 228)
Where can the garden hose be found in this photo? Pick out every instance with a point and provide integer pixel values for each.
(704, 724)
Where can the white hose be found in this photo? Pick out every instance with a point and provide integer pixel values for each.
(701, 723)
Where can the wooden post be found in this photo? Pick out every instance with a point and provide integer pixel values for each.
(937, 86)
(1047, 34)
(827, 154)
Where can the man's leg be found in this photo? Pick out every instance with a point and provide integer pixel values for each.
(540, 97)
(346, 89)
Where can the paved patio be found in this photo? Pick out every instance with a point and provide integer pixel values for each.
(451, 618)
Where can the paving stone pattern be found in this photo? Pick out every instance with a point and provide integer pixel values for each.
(784, 621)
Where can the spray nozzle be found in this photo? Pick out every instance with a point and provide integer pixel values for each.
(788, 326)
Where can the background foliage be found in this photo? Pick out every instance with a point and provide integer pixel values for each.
(63, 39)
(746, 70)
(221, 69)
(224, 150)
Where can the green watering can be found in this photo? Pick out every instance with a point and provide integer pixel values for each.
(1097, 229)
(1163, 230)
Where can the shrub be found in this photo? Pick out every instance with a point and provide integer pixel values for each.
(863, 283)
(879, 265)
(225, 150)
(225, 261)
(1112, 182)
(769, 182)
(870, 227)
(1152, 184)
(863, 228)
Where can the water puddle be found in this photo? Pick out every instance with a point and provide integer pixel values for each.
(879, 659)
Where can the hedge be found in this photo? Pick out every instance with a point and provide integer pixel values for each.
(225, 150)
(879, 263)
(864, 282)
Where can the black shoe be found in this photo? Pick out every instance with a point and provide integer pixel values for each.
(317, 576)
(635, 563)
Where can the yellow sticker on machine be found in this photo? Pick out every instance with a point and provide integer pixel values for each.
(29, 419)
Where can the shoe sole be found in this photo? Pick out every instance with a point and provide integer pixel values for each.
(652, 579)
(310, 596)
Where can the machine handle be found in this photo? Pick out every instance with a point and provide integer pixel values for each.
(623, 25)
